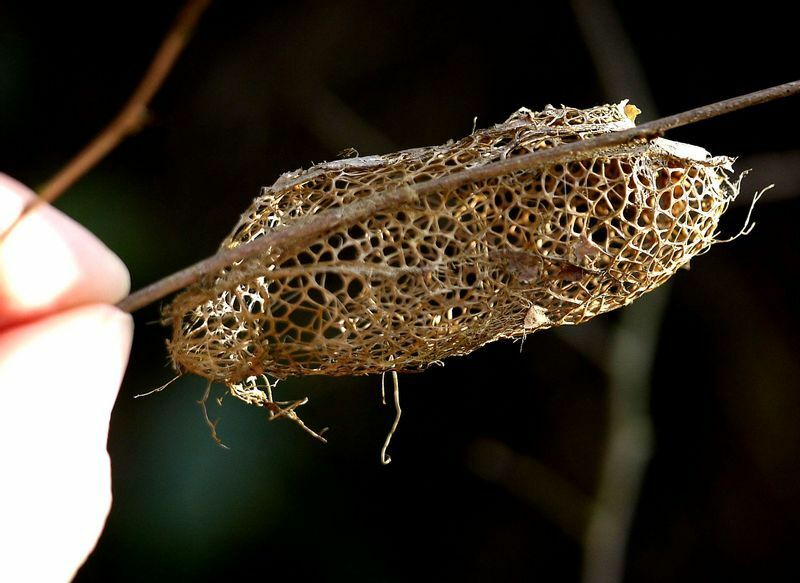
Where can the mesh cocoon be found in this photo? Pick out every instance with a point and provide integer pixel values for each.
(495, 258)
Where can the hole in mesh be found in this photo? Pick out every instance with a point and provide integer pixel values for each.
(316, 296)
(355, 288)
(576, 169)
(348, 253)
(600, 236)
(302, 317)
(332, 332)
(579, 204)
(602, 209)
(392, 256)
(649, 241)
(423, 223)
(332, 282)
(629, 213)
(514, 238)
(645, 219)
(305, 258)
(306, 336)
(445, 223)
(335, 240)
(450, 162)
(428, 252)
(617, 196)
(455, 312)
(279, 310)
(280, 327)
(356, 232)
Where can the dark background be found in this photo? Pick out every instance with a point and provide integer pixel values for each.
(498, 454)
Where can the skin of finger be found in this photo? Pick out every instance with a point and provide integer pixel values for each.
(48, 262)
(59, 378)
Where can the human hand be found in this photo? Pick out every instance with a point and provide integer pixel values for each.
(63, 351)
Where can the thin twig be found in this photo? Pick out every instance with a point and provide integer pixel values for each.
(307, 230)
(130, 118)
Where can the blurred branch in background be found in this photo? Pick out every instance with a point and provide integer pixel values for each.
(532, 481)
(633, 341)
(328, 118)
(131, 117)
(619, 70)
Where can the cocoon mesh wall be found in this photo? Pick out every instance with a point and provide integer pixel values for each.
(495, 258)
